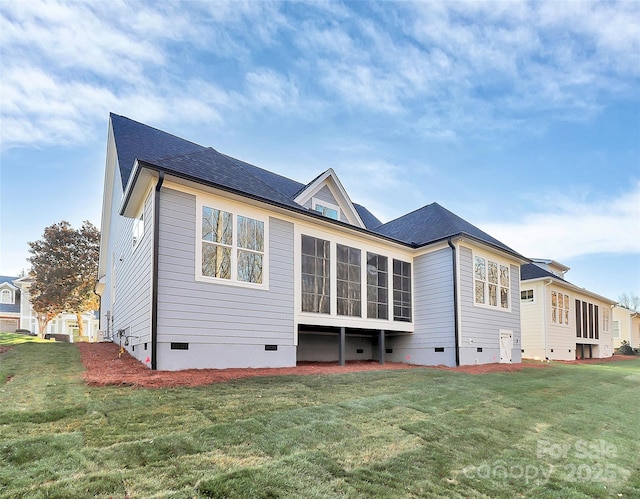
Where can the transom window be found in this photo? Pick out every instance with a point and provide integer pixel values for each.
(491, 283)
(316, 283)
(328, 210)
(233, 252)
(377, 287)
(349, 281)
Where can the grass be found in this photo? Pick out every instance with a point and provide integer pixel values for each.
(562, 431)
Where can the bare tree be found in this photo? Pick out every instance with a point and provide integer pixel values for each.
(630, 301)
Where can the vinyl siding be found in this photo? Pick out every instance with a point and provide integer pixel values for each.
(433, 314)
(561, 339)
(480, 326)
(226, 325)
(130, 305)
(532, 322)
(324, 194)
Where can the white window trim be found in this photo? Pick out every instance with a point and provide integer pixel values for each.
(533, 298)
(349, 321)
(138, 229)
(565, 307)
(615, 322)
(325, 204)
(235, 210)
(12, 296)
(489, 257)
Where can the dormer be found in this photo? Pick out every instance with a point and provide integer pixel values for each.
(8, 293)
(326, 195)
(552, 266)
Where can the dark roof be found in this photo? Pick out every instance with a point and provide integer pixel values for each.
(210, 166)
(433, 223)
(203, 164)
(139, 141)
(369, 219)
(10, 307)
(6, 278)
(532, 271)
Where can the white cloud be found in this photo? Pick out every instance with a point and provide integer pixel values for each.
(561, 227)
(443, 69)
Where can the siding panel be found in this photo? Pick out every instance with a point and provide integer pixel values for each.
(480, 326)
(433, 313)
(214, 316)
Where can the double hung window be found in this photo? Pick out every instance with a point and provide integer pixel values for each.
(232, 251)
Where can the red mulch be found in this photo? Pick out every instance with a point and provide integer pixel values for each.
(104, 367)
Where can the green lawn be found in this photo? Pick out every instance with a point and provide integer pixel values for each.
(562, 431)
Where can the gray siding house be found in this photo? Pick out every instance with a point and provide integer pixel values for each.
(210, 262)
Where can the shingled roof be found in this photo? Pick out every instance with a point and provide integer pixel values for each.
(192, 161)
(433, 223)
(138, 141)
(530, 271)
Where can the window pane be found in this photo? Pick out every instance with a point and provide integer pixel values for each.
(504, 276)
(219, 226)
(402, 290)
(216, 261)
(308, 245)
(315, 275)
(377, 280)
(480, 271)
(249, 267)
(504, 297)
(479, 292)
(493, 295)
(250, 233)
(493, 272)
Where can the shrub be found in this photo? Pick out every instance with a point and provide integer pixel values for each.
(625, 348)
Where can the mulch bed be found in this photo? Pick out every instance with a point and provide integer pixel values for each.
(105, 367)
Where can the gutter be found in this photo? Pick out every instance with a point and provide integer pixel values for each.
(456, 325)
(154, 272)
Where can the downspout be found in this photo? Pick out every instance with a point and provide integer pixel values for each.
(456, 325)
(546, 320)
(154, 272)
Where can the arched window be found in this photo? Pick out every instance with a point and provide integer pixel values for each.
(6, 296)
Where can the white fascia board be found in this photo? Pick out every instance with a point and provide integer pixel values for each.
(331, 180)
(110, 171)
(136, 190)
(573, 287)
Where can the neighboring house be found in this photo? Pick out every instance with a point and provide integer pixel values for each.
(9, 305)
(561, 321)
(626, 327)
(209, 262)
(16, 313)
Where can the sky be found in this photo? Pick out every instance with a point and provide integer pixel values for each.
(523, 118)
